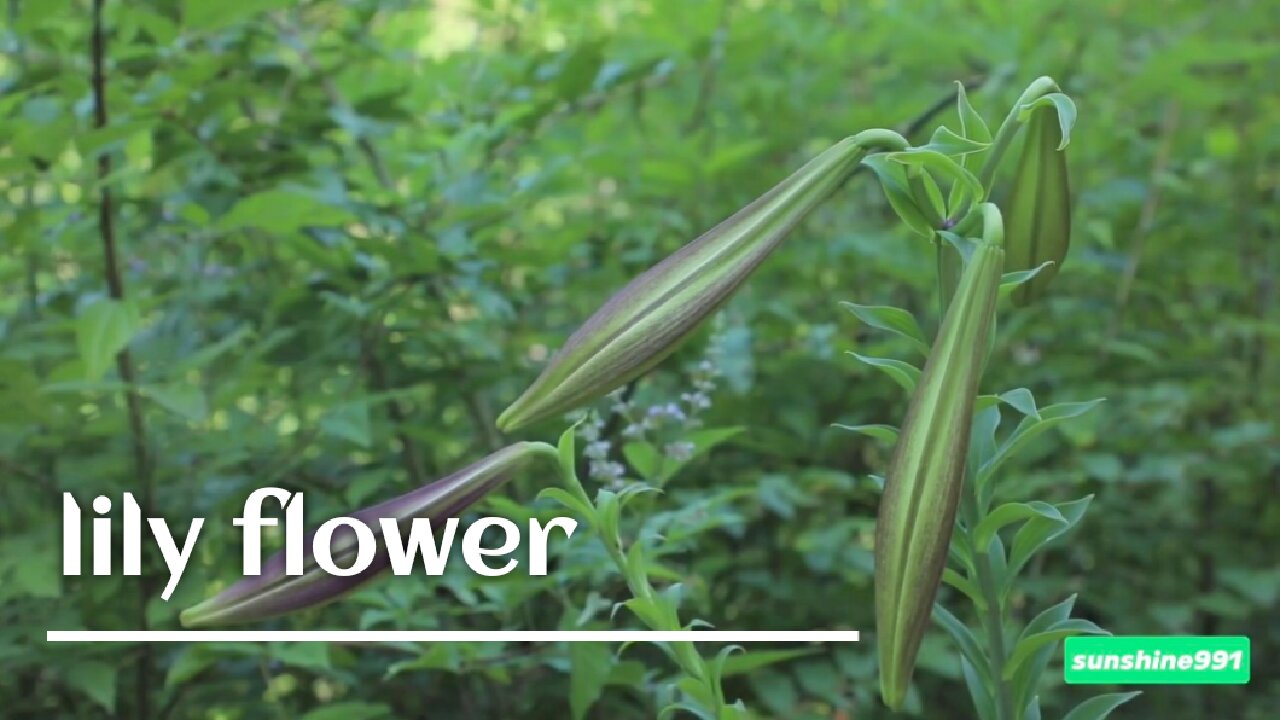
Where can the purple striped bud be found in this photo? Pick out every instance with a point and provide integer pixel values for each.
(922, 488)
(273, 592)
(1038, 229)
(648, 319)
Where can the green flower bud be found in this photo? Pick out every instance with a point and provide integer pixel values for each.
(648, 319)
(273, 592)
(922, 488)
(1038, 228)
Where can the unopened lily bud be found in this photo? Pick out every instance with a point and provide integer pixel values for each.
(273, 592)
(922, 488)
(648, 319)
(1038, 225)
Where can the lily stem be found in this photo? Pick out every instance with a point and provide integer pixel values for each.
(999, 146)
(685, 653)
(991, 616)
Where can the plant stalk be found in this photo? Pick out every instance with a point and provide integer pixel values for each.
(991, 616)
(999, 146)
(685, 653)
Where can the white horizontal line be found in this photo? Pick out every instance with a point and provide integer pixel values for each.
(368, 636)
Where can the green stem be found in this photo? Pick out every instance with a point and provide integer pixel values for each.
(992, 618)
(684, 653)
(1004, 136)
(1000, 145)
(881, 139)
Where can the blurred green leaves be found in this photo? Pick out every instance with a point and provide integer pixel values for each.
(103, 329)
(536, 146)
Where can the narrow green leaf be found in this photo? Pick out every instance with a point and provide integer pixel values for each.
(95, 679)
(962, 245)
(1023, 401)
(1100, 706)
(932, 198)
(672, 710)
(1008, 514)
(349, 421)
(589, 667)
(1011, 280)
(1029, 644)
(185, 400)
(964, 585)
(893, 180)
(904, 374)
(982, 437)
(568, 465)
(1029, 429)
(704, 440)
(718, 664)
(644, 458)
(565, 498)
(282, 211)
(1065, 107)
(1025, 681)
(945, 167)
(1039, 531)
(969, 646)
(891, 319)
(745, 663)
(949, 143)
(102, 330)
(887, 434)
(978, 692)
(971, 123)
(209, 353)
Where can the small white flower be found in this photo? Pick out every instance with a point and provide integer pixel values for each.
(679, 451)
(697, 400)
(606, 471)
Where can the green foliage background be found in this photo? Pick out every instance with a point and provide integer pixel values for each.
(348, 232)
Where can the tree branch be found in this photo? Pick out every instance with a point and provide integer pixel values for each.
(124, 361)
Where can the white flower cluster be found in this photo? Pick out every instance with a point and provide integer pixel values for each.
(655, 423)
(599, 465)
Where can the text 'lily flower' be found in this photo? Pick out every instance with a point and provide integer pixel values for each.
(922, 488)
(273, 592)
(648, 319)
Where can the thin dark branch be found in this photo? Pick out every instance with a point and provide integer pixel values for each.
(710, 70)
(369, 341)
(124, 361)
(919, 122)
(1146, 218)
(11, 468)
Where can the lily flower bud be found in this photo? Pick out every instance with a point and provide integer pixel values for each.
(273, 592)
(922, 488)
(648, 319)
(1038, 228)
